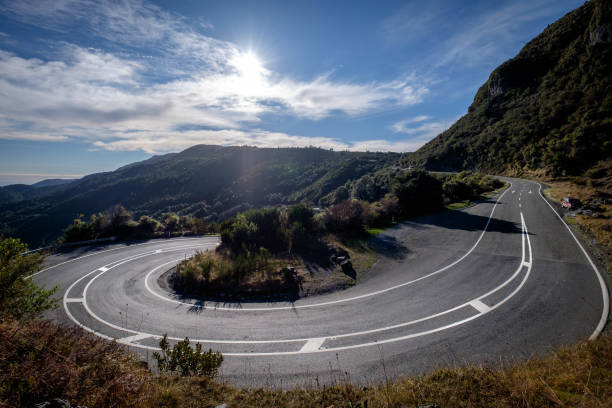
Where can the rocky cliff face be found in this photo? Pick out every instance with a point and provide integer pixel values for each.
(547, 109)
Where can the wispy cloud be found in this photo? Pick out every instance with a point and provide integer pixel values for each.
(474, 35)
(110, 98)
(421, 129)
(156, 142)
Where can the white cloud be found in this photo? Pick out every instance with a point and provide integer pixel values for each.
(420, 129)
(161, 142)
(111, 98)
(474, 36)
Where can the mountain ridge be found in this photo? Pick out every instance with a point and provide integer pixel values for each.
(547, 109)
(207, 181)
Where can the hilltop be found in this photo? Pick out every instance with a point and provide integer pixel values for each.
(210, 182)
(548, 110)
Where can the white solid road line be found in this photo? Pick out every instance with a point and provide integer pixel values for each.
(106, 250)
(350, 299)
(66, 297)
(313, 345)
(604, 289)
(73, 300)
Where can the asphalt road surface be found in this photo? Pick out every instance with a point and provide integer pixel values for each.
(496, 282)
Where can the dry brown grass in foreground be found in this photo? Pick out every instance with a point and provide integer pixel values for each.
(39, 361)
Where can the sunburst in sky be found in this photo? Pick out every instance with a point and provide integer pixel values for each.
(90, 85)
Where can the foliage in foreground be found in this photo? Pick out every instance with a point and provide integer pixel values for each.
(40, 361)
(186, 361)
(19, 296)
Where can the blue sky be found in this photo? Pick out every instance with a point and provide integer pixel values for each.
(88, 85)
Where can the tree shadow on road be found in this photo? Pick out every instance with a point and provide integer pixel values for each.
(461, 220)
(389, 246)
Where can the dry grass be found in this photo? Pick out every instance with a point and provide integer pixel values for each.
(40, 361)
(362, 256)
(596, 230)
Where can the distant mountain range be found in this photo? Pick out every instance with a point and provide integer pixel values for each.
(20, 192)
(210, 182)
(549, 109)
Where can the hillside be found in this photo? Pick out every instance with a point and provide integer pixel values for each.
(549, 109)
(211, 182)
(20, 192)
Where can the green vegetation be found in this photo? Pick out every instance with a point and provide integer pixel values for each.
(258, 246)
(547, 110)
(247, 274)
(117, 222)
(374, 231)
(41, 361)
(211, 183)
(458, 205)
(186, 361)
(19, 296)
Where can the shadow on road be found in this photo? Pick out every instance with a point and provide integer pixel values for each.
(461, 220)
(388, 246)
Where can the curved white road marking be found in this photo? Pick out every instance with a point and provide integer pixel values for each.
(349, 299)
(313, 345)
(67, 299)
(106, 250)
(604, 289)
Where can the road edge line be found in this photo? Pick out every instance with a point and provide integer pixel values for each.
(604, 287)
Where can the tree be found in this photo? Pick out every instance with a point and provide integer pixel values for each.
(79, 230)
(117, 216)
(340, 194)
(147, 227)
(19, 296)
(170, 221)
(418, 193)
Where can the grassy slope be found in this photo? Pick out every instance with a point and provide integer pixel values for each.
(40, 361)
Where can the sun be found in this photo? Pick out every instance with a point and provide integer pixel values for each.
(248, 65)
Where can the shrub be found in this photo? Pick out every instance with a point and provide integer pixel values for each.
(79, 230)
(19, 296)
(346, 217)
(186, 361)
(418, 193)
(147, 227)
(170, 221)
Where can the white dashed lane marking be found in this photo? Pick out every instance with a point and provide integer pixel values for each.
(312, 345)
(478, 305)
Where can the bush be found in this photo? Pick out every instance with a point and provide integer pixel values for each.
(147, 227)
(19, 296)
(347, 217)
(186, 361)
(418, 193)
